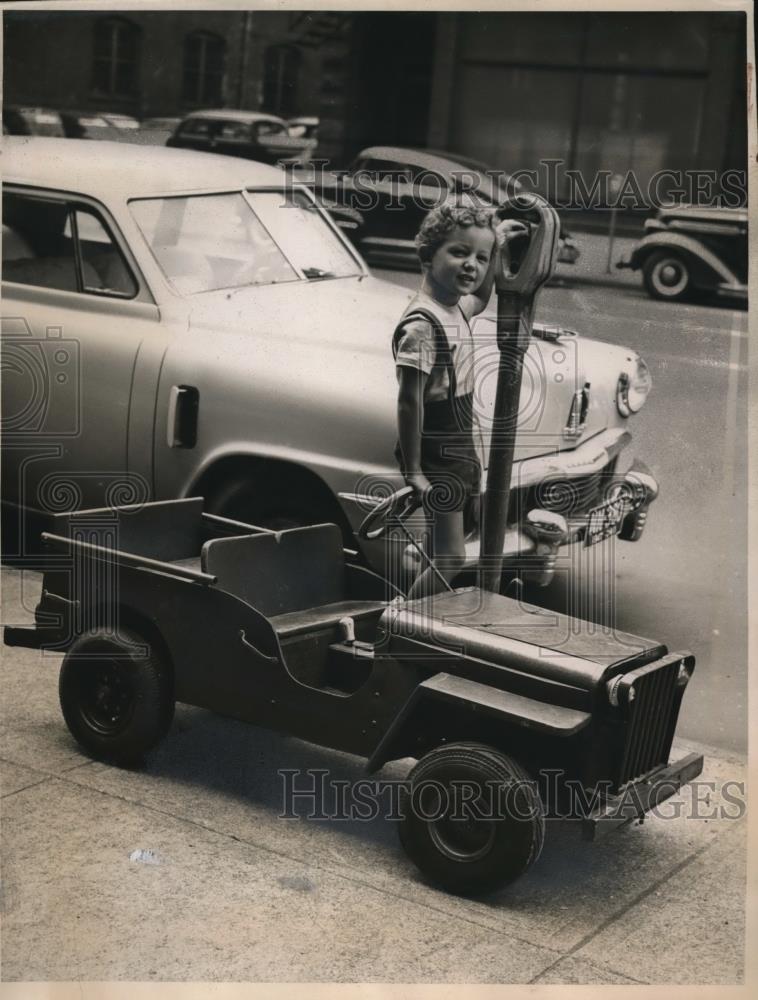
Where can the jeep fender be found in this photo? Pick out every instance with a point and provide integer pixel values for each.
(704, 263)
(513, 710)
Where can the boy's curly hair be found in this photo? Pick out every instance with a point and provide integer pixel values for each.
(441, 221)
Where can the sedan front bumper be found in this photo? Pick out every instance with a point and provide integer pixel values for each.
(585, 476)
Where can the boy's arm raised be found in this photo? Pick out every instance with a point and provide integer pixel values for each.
(505, 231)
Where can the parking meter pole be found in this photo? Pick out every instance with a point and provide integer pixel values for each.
(516, 292)
(514, 326)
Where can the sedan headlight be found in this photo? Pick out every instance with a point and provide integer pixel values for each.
(633, 388)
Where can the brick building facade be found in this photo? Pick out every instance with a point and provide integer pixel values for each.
(642, 91)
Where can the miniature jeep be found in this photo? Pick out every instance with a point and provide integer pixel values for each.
(162, 602)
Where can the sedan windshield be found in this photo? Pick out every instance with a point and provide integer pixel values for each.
(206, 242)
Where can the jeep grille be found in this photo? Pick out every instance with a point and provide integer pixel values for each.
(650, 696)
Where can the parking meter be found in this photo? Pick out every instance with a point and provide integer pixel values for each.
(517, 282)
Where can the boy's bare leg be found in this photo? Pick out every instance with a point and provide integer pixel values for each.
(448, 551)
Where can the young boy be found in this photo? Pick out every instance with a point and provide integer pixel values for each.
(434, 355)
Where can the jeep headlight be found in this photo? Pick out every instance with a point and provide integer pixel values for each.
(633, 387)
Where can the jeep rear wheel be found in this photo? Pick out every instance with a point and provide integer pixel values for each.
(473, 819)
(666, 276)
(115, 695)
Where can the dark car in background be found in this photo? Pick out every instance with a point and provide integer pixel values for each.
(304, 127)
(127, 123)
(89, 125)
(69, 123)
(20, 120)
(394, 187)
(688, 249)
(156, 131)
(249, 134)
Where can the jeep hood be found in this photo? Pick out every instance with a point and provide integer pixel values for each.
(524, 638)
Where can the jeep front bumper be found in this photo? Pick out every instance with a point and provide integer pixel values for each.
(639, 797)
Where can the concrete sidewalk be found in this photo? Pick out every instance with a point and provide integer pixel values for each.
(185, 871)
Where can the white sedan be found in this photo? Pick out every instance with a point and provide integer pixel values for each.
(179, 323)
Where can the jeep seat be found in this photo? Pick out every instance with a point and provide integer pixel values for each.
(296, 578)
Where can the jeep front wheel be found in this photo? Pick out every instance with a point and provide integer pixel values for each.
(473, 820)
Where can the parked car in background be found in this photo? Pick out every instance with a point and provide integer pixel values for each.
(157, 131)
(88, 125)
(18, 120)
(688, 249)
(394, 187)
(305, 127)
(70, 123)
(250, 134)
(126, 123)
(181, 325)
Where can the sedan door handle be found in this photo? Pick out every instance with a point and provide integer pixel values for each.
(181, 425)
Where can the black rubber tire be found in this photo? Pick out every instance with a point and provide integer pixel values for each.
(115, 695)
(654, 276)
(481, 855)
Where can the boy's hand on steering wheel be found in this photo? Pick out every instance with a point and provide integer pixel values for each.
(419, 482)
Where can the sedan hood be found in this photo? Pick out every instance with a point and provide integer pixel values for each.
(329, 343)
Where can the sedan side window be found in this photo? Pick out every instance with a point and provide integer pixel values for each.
(104, 269)
(387, 170)
(269, 128)
(58, 245)
(233, 130)
(196, 128)
(427, 178)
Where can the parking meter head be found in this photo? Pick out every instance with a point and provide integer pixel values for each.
(532, 262)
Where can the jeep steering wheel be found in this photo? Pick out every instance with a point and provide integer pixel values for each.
(396, 507)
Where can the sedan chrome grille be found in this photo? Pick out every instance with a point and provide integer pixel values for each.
(572, 496)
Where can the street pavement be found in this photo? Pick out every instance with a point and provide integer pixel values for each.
(185, 871)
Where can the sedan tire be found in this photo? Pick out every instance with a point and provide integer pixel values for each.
(666, 275)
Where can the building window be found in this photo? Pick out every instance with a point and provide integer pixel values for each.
(280, 76)
(204, 56)
(116, 53)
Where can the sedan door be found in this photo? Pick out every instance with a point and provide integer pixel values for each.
(81, 353)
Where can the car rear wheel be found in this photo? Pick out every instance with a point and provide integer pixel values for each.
(473, 820)
(666, 276)
(115, 694)
(274, 501)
